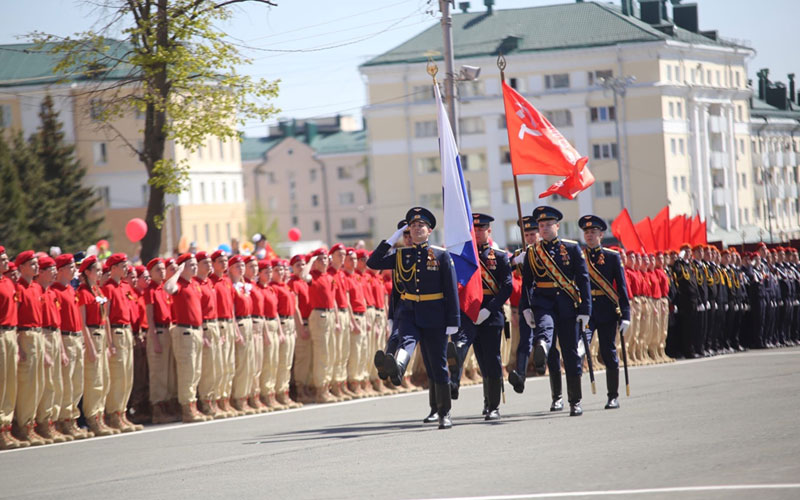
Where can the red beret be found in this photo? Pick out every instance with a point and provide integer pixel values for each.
(337, 247)
(350, 250)
(235, 259)
(275, 262)
(318, 252)
(24, 257)
(2, 249)
(264, 264)
(106, 268)
(201, 255)
(117, 258)
(153, 263)
(64, 259)
(761, 244)
(686, 246)
(361, 253)
(140, 270)
(11, 267)
(631, 252)
(659, 253)
(217, 254)
(46, 262)
(249, 258)
(88, 261)
(285, 262)
(169, 261)
(183, 258)
(297, 258)
(726, 252)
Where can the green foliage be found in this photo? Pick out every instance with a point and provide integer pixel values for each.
(14, 234)
(261, 221)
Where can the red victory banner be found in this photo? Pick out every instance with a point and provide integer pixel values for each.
(623, 229)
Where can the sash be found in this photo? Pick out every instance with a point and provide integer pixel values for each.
(555, 273)
(601, 282)
(488, 280)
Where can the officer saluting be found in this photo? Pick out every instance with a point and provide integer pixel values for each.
(428, 310)
(560, 302)
(486, 330)
(610, 307)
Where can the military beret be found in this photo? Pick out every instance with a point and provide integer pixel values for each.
(402, 224)
(217, 254)
(249, 258)
(631, 252)
(726, 252)
(318, 253)
(24, 257)
(297, 258)
(264, 264)
(773, 251)
(285, 263)
(64, 259)
(481, 219)
(698, 247)
(336, 248)
(528, 224)
(183, 258)
(592, 222)
(153, 263)
(761, 244)
(659, 254)
(275, 262)
(88, 261)
(361, 253)
(351, 250)
(46, 262)
(201, 255)
(169, 261)
(235, 260)
(421, 214)
(544, 212)
(11, 267)
(3, 249)
(686, 246)
(117, 258)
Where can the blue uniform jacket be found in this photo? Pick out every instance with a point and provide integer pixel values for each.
(425, 270)
(608, 263)
(495, 262)
(569, 257)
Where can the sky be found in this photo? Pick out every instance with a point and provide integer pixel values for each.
(315, 46)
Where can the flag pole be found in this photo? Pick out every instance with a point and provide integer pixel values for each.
(501, 65)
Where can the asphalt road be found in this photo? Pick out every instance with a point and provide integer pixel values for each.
(725, 427)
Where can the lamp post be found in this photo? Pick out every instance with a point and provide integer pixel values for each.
(619, 86)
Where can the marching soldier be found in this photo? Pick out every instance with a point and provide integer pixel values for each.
(610, 306)
(428, 310)
(486, 331)
(560, 302)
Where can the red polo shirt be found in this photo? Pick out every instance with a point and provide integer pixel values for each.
(320, 291)
(68, 307)
(300, 288)
(377, 289)
(369, 293)
(663, 282)
(356, 292)
(8, 302)
(161, 301)
(51, 317)
(655, 285)
(257, 297)
(339, 287)
(242, 301)
(119, 312)
(188, 310)
(30, 304)
(633, 283)
(270, 300)
(285, 298)
(208, 300)
(133, 305)
(87, 297)
(224, 289)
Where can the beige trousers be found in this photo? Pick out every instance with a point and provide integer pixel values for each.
(161, 367)
(8, 371)
(341, 347)
(211, 369)
(227, 338)
(244, 357)
(285, 354)
(368, 344)
(269, 366)
(513, 320)
(30, 375)
(72, 377)
(187, 345)
(258, 355)
(50, 405)
(96, 375)
(120, 368)
(321, 325)
(357, 350)
(378, 340)
(303, 359)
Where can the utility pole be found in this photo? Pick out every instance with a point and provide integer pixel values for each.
(450, 77)
(619, 87)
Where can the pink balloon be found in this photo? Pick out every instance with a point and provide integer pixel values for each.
(294, 234)
(135, 229)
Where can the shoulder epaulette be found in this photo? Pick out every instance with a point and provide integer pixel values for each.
(437, 248)
(610, 250)
(568, 241)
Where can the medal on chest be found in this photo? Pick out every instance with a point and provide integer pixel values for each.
(564, 255)
(601, 260)
(491, 260)
(433, 264)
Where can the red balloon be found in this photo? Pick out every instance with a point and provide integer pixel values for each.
(294, 234)
(135, 229)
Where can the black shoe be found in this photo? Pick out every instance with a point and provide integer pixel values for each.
(517, 381)
(443, 405)
(395, 365)
(493, 415)
(379, 360)
(575, 410)
(432, 417)
(558, 404)
(540, 357)
(453, 390)
(574, 395)
(612, 382)
(612, 404)
(445, 422)
(493, 388)
(555, 392)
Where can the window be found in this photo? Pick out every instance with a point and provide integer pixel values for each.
(208, 233)
(603, 113)
(679, 107)
(739, 111)
(604, 151)
(683, 183)
(669, 73)
(673, 146)
(348, 224)
(424, 93)
(681, 146)
(202, 193)
(747, 215)
(513, 82)
(557, 81)
(5, 116)
(100, 153)
(675, 183)
(595, 77)
(501, 122)
(470, 89)
(314, 200)
(429, 165)
(224, 191)
(559, 117)
(678, 73)
(671, 110)
(425, 129)
(479, 198)
(719, 79)
(526, 194)
(105, 195)
(744, 180)
(312, 175)
(606, 189)
(473, 125)
(221, 149)
(213, 188)
(270, 176)
(317, 226)
(708, 77)
(737, 79)
(295, 220)
(343, 173)
(505, 155)
(96, 109)
(347, 198)
(473, 162)
(432, 200)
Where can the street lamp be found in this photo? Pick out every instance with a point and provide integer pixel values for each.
(619, 86)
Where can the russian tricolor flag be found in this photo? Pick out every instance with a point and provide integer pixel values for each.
(459, 234)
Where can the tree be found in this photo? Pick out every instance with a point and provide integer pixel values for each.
(71, 223)
(37, 193)
(178, 69)
(14, 233)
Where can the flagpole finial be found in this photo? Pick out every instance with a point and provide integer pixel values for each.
(432, 69)
(501, 64)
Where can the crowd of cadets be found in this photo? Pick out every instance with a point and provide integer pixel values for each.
(209, 335)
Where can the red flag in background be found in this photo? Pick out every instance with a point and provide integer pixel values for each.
(699, 235)
(537, 147)
(694, 228)
(676, 238)
(645, 229)
(270, 252)
(661, 230)
(623, 229)
(687, 229)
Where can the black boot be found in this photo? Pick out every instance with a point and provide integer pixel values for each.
(540, 357)
(493, 397)
(485, 397)
(433, 415)
(517, 381)
(612, 382)
(443, 405)
(379, 360)
(455, 363)
(555, 392)
(574, 395)
(395, 366)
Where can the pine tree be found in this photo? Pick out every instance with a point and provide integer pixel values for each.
(73, 224)
(37, 193)
(14, 233)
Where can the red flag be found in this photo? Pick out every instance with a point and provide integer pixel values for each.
(661, 229)
(699, 235)
(270, 253)
(623, 229)
(537, 147)
(687, 229)
(694, 229)
(676, 238)
(645, 229)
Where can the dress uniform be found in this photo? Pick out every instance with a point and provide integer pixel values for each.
(685, 278)
(610, 306)
(428, 309)
(485, 333)
(560, 300)
(704, 306)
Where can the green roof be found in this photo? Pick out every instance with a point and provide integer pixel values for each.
(254, 148)
(342, 142)
(25, 64)
(563, 26)
(761, 109)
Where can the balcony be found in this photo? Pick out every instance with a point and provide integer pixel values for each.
(758, 160)
(759, 192)
(719, 160)
(778, 191)
(716, 125)
(791, 191)
(775, 159)
(718, 197)
(790, 158)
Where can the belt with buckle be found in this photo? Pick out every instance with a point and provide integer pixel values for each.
(119, 325)
(162, 326)
(324, 309)
(425, 297)
(283, 318)
(67, 333)
(186, 325)
(29, 329)
(49, 329)
(546, 284)
(6, 328)
(226, 320)
(358, 313)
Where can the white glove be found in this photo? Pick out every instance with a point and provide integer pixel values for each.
(451, 330)
(708, 306)
(623, 326)
(391, 322)
(581, 348)
(727, 306)
(519, 259)
(528, 315)
(583, 320)
(483, 315)
(397, 235)
(675, 309)
(701, 308)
